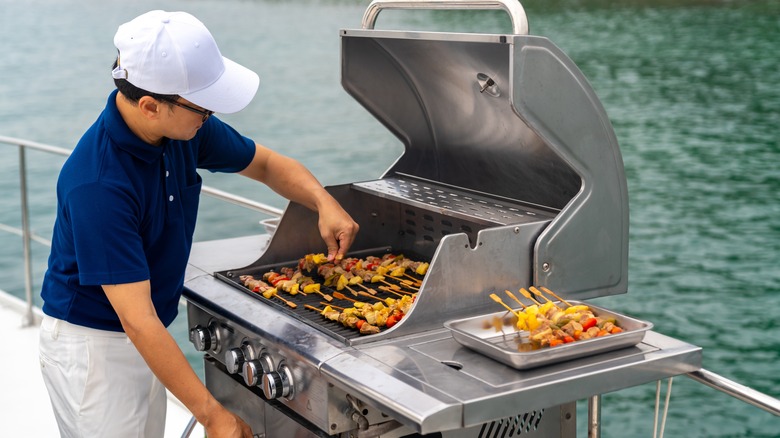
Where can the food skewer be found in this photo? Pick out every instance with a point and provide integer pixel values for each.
(516, 299)
(528, 295)
(554, 295)
(347, 320)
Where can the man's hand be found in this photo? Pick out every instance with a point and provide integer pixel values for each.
(223, 423)
(337, 229)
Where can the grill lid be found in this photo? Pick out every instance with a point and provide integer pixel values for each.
(511, 116)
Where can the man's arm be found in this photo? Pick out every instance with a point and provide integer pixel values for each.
(133, 303)
(292, 180)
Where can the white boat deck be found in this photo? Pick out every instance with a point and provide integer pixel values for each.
(24, 404)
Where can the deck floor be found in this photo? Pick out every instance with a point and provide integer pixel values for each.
(24, 403)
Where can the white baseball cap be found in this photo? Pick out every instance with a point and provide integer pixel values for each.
(173, 53)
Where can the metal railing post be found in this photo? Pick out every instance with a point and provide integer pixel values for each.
(594, 416)
(27, 319)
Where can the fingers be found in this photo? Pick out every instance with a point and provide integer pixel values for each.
(338, 242)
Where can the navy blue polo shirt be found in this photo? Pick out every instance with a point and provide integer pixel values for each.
(126, 212)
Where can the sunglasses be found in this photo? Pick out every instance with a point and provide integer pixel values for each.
(204, 113)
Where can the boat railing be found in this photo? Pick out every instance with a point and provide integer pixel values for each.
(705, 377)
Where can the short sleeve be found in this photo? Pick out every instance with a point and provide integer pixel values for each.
(222, 148)
(106, 237)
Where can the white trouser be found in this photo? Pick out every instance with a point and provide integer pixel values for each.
(99, 384)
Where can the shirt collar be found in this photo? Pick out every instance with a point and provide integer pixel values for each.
(124, 138)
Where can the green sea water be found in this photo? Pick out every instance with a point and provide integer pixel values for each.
(692, 89)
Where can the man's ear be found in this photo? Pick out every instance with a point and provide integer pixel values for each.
(150, 108)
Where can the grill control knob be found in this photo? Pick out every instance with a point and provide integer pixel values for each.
(202, 337)
(254, 370)
(234, 360)
(278, 383)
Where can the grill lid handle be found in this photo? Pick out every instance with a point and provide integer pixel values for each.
(512, 7)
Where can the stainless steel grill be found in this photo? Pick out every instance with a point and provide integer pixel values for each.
(511, 176)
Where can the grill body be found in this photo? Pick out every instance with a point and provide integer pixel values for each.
(511, 176)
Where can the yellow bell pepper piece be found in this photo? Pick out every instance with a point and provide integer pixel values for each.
(398, 272)
(342, 281)
(574, 309)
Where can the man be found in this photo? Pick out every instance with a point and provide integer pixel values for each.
(127, 202)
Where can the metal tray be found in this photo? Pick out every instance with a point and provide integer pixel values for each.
(478, 334)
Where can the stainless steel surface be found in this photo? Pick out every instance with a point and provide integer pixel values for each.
(479, 334)
(512, 7)
(426, 381)
(523, 141)
(737, 390)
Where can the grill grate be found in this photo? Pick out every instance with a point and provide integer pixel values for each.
(333, 328)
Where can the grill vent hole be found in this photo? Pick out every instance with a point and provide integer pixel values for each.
(521, 424)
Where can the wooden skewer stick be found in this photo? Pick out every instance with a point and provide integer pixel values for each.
(404, 282)
(341, 296)
(528, 295)
(289, 303)
(390, 285)
(556, 296)
(497, 299)
(417, 281)
(397, 293)
(364, 294)
(536, 292)
(323, 295)
(516, 299)
(351, 290)
(410, 284)
(310, 307)
(332, 305)
(368, 289)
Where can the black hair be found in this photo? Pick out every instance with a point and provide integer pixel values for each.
(134, 94)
